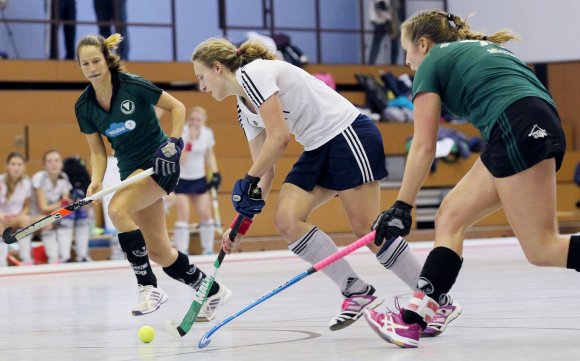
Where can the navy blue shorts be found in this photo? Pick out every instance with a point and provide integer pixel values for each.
(354, 157)
(168, 183)
(526, 133)
(194, 186)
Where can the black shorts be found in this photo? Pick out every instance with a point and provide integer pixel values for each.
(192, 186)
(354, 157)
(168, 183)
(526, 133)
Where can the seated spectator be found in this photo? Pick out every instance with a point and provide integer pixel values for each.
(15, 191)
(51, 192)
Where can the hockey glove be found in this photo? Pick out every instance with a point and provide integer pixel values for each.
(394, 222)
(166, 157)
(215, 181)
(247, 196)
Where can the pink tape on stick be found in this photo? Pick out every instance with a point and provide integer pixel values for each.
(346, 250)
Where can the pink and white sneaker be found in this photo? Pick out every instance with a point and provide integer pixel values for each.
(391, 328)
(444, 315)
(352, 308)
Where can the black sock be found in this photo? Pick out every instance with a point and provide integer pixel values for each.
(413, 317)
(439, 272)
(133, 244)
(574, 253)
(189, 274)
(437, 277)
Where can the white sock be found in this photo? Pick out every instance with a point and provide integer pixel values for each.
(207, 236)
(25, 249)
(398, 257)
(181, 237)
(82, 239)
(3, 254)
(64, 236)
(315, 246)
(50, 245)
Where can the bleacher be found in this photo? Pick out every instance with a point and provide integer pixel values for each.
(38, 100)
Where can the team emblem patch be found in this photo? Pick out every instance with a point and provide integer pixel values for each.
(425, 285)
(537, 132)
(127, 107)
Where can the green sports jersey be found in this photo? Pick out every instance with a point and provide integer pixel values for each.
(477, 80)
(131, 125)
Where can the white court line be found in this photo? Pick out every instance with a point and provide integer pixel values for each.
(419, 247)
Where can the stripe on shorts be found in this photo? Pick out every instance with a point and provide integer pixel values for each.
(359, 153)
(512, 149)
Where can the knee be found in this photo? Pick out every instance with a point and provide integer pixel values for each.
(449, 219)
(284, 224)
(361, 226)
(539, 259)
(543, 257)
(118, 213)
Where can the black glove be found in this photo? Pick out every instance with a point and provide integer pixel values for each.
(392, 223)
(215, 181)
(166, 157)
(247, 196)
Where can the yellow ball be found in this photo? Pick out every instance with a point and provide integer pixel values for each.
(146, 334)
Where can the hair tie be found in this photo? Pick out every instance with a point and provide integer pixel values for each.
(239, 51)
(450, 16)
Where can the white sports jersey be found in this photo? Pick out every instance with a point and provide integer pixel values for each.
(22, 192)
(52, 192)
(315, 113)
(193, 167)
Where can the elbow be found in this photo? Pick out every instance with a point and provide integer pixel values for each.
(283, 140)
(180, 107)
(425, 149)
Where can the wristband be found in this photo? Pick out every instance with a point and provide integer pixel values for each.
(244, 227)
(188, 147)
(252, 178)
(403, 205)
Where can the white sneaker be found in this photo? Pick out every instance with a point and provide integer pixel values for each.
(150, 298)
(209, 309)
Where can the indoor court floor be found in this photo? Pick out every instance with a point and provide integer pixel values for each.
(511, 311)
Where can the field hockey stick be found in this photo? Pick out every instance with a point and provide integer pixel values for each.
(10, 237)
(206, 339)
(240, 225)
(216, 210)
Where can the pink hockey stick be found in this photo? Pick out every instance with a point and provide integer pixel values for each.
(205, 340)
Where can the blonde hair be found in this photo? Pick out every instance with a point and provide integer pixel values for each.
(200, 110)
(442, 27)
(107, 47)
(226, 53)
(11, 184)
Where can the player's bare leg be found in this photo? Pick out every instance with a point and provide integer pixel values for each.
(312, 245)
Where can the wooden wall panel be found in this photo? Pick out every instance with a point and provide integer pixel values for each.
(12, 139)
(563, 84)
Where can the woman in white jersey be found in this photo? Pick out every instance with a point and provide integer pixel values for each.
(197, 153)
(51, 192)
(15, 193)
(343, 157)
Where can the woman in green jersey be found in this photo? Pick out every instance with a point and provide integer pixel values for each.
(479, 80)
(120, 106)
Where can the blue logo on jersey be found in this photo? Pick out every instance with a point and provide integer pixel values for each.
(116, 129)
